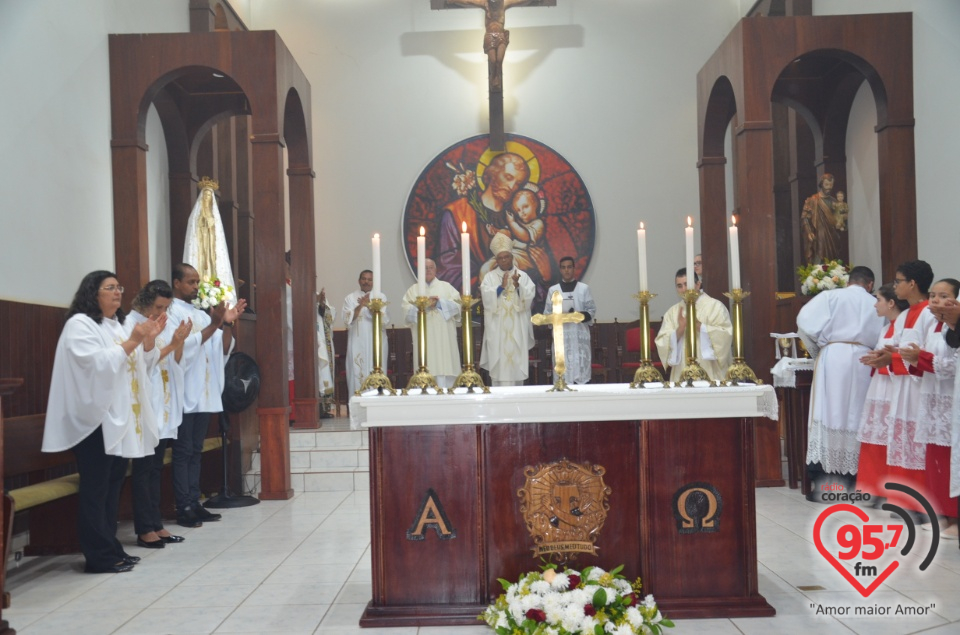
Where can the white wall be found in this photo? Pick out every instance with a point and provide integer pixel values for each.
(610, 85)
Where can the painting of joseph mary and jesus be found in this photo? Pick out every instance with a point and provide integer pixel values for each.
(527, 200)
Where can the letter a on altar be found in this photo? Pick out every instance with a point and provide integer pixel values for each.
(431, 516)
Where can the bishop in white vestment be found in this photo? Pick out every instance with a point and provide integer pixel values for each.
(443, 316)
(576, 336)
(359, 321)
(507, 294)
(715, 336)
(838, 327)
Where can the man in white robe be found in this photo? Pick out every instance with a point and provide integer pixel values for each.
(204, 360)
(507, 294)
(443, 316)
(838, 327)
(359, 321)
(715, 333)
(576, 336)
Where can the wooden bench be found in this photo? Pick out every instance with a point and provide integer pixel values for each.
(43, 486)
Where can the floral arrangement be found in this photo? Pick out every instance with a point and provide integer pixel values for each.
(815, 278)
(591, 602)
(211, 293)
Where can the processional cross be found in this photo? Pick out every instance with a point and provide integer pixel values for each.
(557, 319)
(495, 42)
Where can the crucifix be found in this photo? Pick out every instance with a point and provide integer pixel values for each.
(557, 319)
(495, 42)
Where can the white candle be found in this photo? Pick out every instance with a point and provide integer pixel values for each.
(642, 251)
(465, 257)
(688, 235)
(421, 263)
(376, 266)
(734, 255)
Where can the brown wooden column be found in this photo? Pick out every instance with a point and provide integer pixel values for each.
(131, 247)
(182, 197)
(7, 386)
(273, 409)
(245, 250)
(713, 216)
(898, 196)
(304, 287)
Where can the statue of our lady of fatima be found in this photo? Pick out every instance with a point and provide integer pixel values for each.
(205, 247)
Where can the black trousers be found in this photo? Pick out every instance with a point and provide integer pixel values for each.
(145, 487)
(101, 477)
(187, 451)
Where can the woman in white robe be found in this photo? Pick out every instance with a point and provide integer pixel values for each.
(94, 404)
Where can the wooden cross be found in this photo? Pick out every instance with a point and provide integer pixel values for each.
(495, 41)
(557, 319)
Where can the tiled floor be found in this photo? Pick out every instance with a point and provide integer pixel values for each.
(303, 566)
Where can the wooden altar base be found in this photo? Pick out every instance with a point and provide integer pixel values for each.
(475, 471)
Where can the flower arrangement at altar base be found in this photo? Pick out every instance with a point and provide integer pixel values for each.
(570, 602)
(815, 278)
(211, 292)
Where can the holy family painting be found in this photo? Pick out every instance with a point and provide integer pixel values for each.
(527, 200)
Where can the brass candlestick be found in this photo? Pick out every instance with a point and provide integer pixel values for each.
(377, 379)
(739, 372)
(422, 379)
(468, 378)
(646, 373)
(692, 371)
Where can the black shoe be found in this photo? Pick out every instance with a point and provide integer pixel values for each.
(120, 567)
(131, 560)
(188, 518)
(172, 539)
(153, 544)
(205, 515)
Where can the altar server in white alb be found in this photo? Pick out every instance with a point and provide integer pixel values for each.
(443, 316)
(715, 333)
(99, 406)
(838, 327)
(359, 321)
(166, 388)
(576, 336)
(507, 293)
(204, 360)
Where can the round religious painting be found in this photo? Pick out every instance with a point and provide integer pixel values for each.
(527, 200)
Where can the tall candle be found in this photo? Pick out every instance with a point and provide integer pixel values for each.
(376, 266)
(642, 251)
(734, 255)
(465, 257)
(421, 263)
(688, 235)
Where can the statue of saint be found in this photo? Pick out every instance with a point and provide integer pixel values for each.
(823, 219)
(205, 247)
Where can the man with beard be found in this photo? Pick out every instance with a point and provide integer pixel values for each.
(359, 322)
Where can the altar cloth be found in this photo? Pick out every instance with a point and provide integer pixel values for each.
(590, 402)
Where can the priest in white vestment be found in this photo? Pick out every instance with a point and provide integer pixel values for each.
(715, 335)
(205, 245)
(99, 407)
(326, 356)
(838, 327)
(359, 321)
(205, 355)
(576, 336)
(443, 316)
(507, 293)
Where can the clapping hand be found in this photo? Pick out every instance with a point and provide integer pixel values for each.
(948, 312)
(234, 312)
(910, 354)
(516, 280)
(681, 323)
(322, 296)
(506, 277)
(182, 333)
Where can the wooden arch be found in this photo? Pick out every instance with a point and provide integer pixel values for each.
(814, 65)
(196, 80)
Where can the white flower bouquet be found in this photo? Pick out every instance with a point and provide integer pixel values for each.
(211, 293)
(815, 278)
(591, 602)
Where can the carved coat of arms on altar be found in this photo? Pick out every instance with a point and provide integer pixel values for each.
(564, 506)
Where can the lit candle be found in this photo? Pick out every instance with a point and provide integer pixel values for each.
(734, 255)
(688, 235)
(465, 257)
(642, 251)
(421, 263)
(376, 266)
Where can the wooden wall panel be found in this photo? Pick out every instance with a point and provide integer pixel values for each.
(28, 341)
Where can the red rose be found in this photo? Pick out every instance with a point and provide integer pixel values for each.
(536, 615)
(825, 267)
(589, 611)
(574, 581)
(633, 599)
(216, 283)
